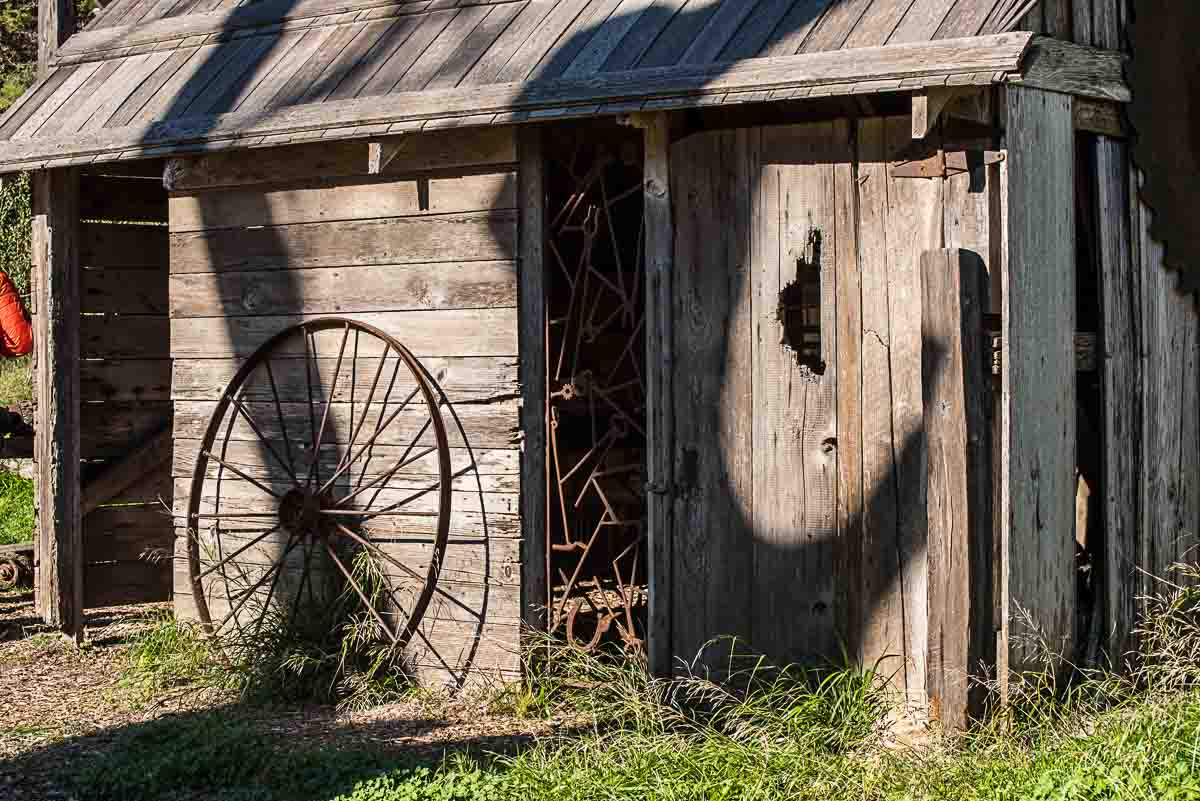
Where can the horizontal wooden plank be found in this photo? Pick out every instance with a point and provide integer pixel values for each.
(128, 534)
(121, 583)
(473, 149)
(121, 337)
(452, 332)
(125, 380)
(110, 430)
(483, 236)
(123, 246)
(103, 486)
(113, 198)
(463, 380)
(117, 291)
(468, 562)
(984, 59)
(346, 290)
(362, 200)
(155, 489)
(488, 469)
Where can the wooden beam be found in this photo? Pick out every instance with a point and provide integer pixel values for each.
(531, 289)
(660, 398)
(957, 401)
(1100, 117)
(60, 532)
(927, 108)
(975, 60)
(1073, 69)
(126, 472)
(380, 154)
(1038, 383)
(55, 22)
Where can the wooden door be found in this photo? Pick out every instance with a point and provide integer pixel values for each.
(764, 230)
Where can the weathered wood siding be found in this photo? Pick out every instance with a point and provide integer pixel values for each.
(125, 380)
(427, 255)
(800, 522)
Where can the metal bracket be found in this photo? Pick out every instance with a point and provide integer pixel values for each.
(943, 164)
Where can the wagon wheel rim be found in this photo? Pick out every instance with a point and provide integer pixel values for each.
(326, 514)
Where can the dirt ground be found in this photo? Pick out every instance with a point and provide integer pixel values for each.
(61, 704)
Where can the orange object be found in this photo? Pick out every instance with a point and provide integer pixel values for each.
(16, 334)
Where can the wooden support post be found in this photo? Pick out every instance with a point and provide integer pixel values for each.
(381, 153)
(56, 21)
(957, 399)
(1038, 381)
(59, 565)
(927, 108)
(534, 403)
(660, 399)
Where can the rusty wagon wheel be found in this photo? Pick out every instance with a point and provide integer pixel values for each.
(323, 474)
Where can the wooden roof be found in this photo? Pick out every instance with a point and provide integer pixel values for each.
(149, 77)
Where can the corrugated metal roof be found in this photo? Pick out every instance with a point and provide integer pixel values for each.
(155, 75)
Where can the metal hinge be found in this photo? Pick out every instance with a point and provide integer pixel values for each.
(943, 164)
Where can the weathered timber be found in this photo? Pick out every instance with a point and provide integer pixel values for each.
(421, 153)
(979, 60)
(118, 291)
(439, 332)
(533, 345)
(116, 477)
(107, 429)
(1100, 117)
(959, 466)
(55, 245)
(1121, 368)
(112, 583)
(712, 569)
(1059, 66)
(471, 380)
(347, 290)
(397, 240)
(55, 22)
(436, 193)
(660, 357)
(1038, 406)
(123, 246)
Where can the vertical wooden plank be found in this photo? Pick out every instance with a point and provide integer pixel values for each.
(883, 610)
(714, 551)
(55, 22)
(1082, 21)
(900, 218)
(660, 428)
(1170, 439)
(1108, 24)
(849, 404)
(795, 471)
(1057, 15)
(531, 290)
(956, 365)
(1038, 377)
(1120, 290)
(56, 440)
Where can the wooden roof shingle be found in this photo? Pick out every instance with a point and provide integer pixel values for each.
(156, 76)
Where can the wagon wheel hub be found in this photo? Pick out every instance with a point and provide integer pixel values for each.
(300, 513)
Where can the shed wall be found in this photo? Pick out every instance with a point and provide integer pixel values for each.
(800, 516)
(124, 384)
(427, 255)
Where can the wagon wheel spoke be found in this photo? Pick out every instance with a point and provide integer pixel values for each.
(247, 513)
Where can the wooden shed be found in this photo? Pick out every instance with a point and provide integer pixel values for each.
(834, 325)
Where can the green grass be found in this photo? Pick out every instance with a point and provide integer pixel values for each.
(16, 509)
(760, 733)
(16, 384)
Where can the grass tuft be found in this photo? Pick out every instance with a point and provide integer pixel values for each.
(17, 522)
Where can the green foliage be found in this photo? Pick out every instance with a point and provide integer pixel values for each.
(16, 508)
(170, 654)
(15, 227)
(461, 780)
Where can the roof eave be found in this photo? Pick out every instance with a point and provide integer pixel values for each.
(976, 60)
